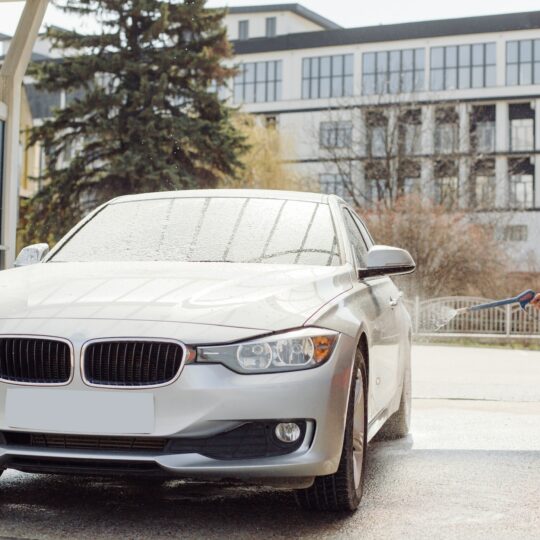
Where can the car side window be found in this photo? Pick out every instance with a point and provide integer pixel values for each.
(355, 237)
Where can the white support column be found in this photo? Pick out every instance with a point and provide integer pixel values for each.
(11, 78)
(501, 62)
(464, 127)
(358, 178)
(360, 133)
(428, 129)
(502, 186)
(463, 182)
(502, 144)
(536, 158)
(502, 127)
(427, 181)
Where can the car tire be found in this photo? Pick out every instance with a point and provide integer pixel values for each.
(398, 425)
(342, 491)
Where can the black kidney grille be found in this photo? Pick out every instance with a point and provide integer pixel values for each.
(132, 363)
(34, 361)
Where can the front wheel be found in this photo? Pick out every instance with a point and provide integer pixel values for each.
(343, 489)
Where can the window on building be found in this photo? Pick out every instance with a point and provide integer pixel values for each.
(271, 26)
(463, 66)
(243, 30)
(377, 134)
(521, 119)
(485, 137)
(446, 132)
(410, 132)
(377, 184)
(393, 72)
(484, 192)
(515, 233)
(335, 134)
(271, 121)
(258, 82)
(521, 134)
(521, 183)
(411, 138)
(42, 103)
(521, 191)
(481, 192)
(482, 129)
(523, 62)
(327, 76)
(377, 141)
(446, 138)
(411, 186)
(446, 191)
(378, 190)
(336, 184)
(409, 177)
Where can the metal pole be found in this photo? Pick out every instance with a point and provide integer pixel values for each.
(508, 320)
(11, 79)
(416, 314)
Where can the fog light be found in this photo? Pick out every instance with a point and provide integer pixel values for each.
(288, 432)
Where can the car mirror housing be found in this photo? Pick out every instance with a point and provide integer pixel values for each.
(31, 255)
(386, 261)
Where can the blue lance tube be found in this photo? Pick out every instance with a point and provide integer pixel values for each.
(523, 299)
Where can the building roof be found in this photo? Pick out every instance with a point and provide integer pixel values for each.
(392, 32)
(54, 27)
(294, 8)
(35, 57)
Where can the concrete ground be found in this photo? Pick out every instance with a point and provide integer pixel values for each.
(470, 469)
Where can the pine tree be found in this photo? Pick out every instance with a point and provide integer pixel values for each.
(141, 113)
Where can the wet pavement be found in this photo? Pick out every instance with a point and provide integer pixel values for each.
(470, 469)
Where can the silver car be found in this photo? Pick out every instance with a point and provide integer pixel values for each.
(223, 334)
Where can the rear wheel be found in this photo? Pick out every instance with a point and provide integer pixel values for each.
(343, 489)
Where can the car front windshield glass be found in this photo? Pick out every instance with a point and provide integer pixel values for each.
(212, 229)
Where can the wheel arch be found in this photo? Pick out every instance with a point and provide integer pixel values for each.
(363, 345)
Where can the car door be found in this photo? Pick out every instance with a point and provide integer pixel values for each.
(379, 306)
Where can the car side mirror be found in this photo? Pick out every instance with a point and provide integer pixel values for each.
(31, 255)
(386, 261)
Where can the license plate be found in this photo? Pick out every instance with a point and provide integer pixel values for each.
(72, 411)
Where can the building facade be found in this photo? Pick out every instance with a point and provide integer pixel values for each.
(449, 109)
(452, 105)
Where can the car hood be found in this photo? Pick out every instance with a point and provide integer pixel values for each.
(257, 296)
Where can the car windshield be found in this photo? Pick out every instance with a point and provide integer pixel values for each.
(212, 229)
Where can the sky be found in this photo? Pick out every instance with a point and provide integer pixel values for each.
(348, 13)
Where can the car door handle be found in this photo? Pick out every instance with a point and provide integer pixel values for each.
(393, 302)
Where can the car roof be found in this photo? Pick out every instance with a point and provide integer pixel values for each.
(244, 193)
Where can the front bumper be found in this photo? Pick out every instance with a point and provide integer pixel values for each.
(210, 399)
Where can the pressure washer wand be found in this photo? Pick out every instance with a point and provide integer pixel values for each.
(523, 299)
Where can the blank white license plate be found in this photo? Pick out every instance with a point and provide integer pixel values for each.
(72, 411)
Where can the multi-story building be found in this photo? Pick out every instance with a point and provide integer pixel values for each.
(447, 108)
(464, 95)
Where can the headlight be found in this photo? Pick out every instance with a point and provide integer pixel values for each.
(300, 349)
